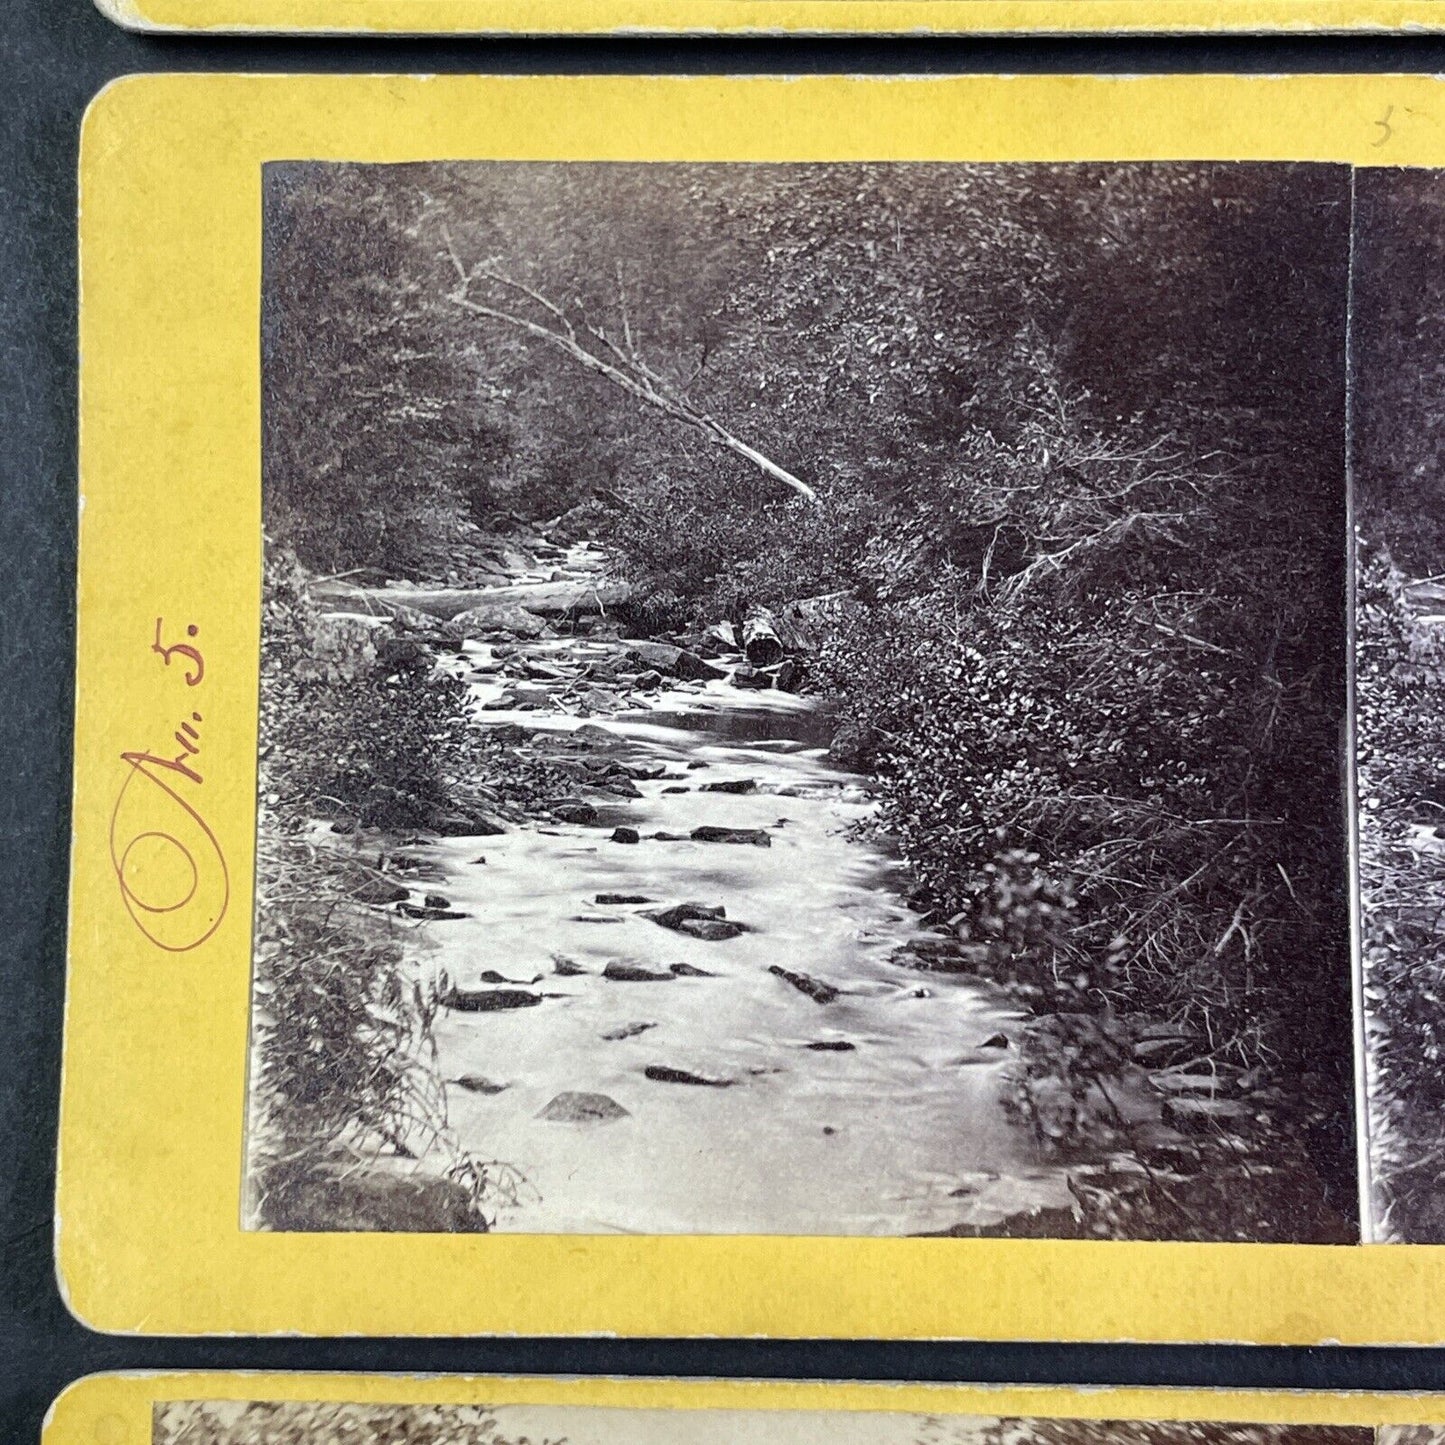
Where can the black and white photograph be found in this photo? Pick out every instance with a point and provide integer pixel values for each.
(807, 699)
(1398, 481)
(230, 1422)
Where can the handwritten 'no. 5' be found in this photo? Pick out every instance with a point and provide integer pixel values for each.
(169, 865)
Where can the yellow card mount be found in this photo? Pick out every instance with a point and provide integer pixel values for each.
(714, 707)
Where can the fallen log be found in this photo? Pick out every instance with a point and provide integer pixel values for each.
(544, 599)
(761, 642)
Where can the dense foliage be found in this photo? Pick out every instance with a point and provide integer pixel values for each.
(347, 705)
(1399, 472)
(341, 1065)
(1077, 435)
(1398, 364)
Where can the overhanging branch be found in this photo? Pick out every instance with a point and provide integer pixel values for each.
(625, 369)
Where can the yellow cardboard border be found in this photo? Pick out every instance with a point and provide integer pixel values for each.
(115, 1409)
(780, 17)
(155, 1047)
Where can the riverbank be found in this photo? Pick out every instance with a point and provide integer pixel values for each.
(672, 976)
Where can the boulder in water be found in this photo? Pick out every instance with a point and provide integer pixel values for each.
(660, 656)
(709, 833)
(752, 678)
(465, 824)
(618, 785)
(577, 1108)
(815, 988)
(634, 973)
(429, 915)
(565, 967)
(478, 1084)
(642, 772)
(622, 898)
(831, 1046)
(397, 811)
(490, 976)
(488, 1000)
(573, 810)
(662, 1074)
(626, 835)
(687, 970)
(627, 1031)
(675, 916)
(692, 668)
(731, 785)
(711, 930)
(481, 621)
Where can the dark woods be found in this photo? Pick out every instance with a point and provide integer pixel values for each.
(1077, 438)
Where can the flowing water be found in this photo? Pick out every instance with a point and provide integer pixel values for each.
(876, 1113)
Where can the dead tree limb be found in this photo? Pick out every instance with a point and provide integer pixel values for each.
(626, 369)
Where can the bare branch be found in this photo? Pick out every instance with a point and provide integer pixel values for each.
(628, 371)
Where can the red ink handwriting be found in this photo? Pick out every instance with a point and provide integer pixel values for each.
(169, 864)
(185, 650)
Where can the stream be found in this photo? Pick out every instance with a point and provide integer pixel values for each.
(706, 1093)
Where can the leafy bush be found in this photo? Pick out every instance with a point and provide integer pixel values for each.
(342, 1067)
(342, 1071)
(707, 552)
(346, 704)
(1106, 737)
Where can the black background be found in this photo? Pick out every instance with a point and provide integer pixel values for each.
(57, 54)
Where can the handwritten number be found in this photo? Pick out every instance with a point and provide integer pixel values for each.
(193, 654)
